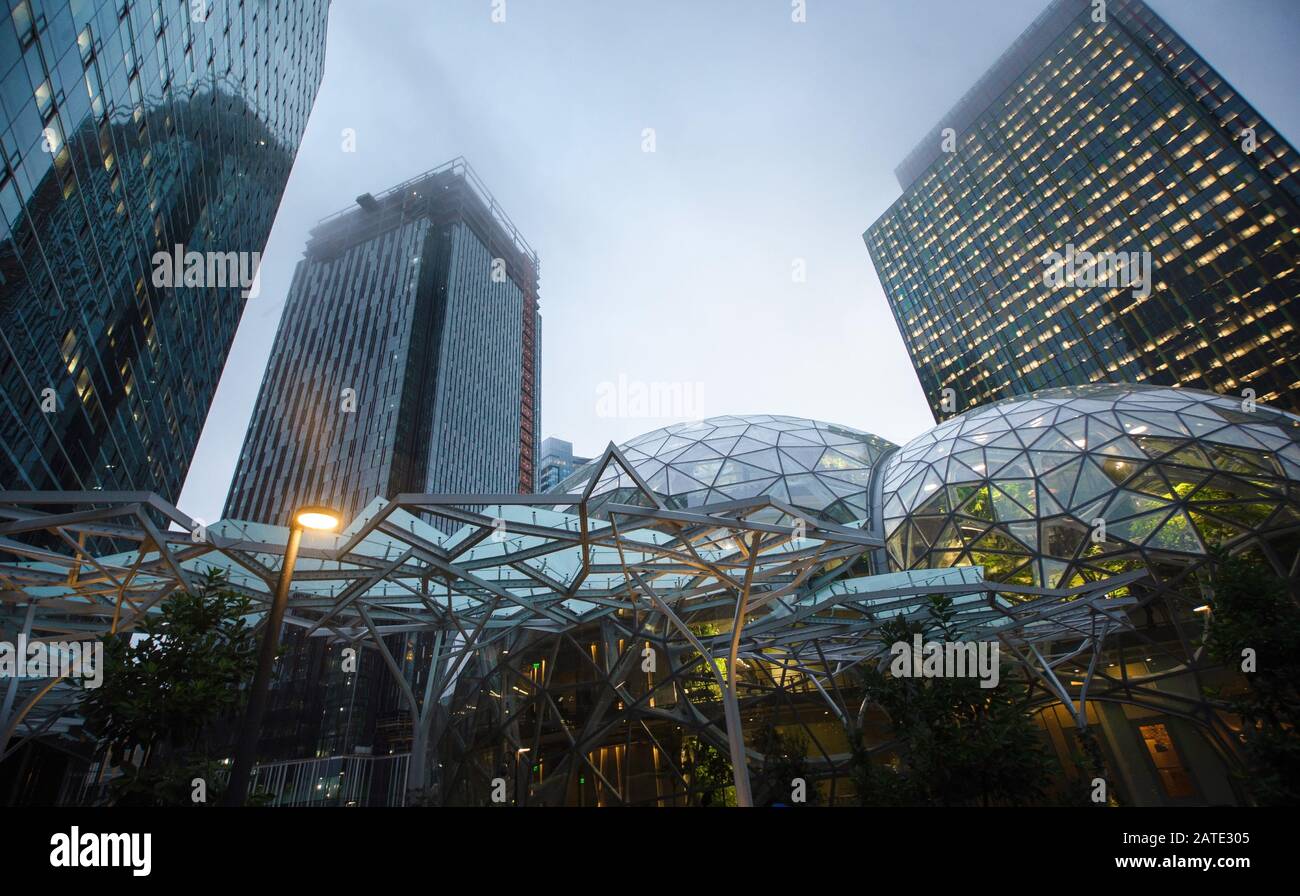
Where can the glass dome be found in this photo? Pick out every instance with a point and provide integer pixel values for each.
(819, 467)
(1019, 486)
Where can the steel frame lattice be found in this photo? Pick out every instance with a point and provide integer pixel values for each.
(517, 572)
(686, 598)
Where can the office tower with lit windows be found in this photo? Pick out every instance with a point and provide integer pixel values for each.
(1101, 137)
(129, 128)
(557, 463)
(406, 359)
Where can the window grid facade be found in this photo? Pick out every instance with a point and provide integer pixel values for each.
(423, 302)
(129, 127)
(557, 463)
(400, 364)
(1113, 137)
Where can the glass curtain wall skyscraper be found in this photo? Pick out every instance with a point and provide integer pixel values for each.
(1102, 206)
(407, 360)
(557, 463)
(130, 128)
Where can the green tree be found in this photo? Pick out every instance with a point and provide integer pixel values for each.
(1090, 760)
(784, 760)
(164, 694)
(711, 780)
(1254, 626)
(955, 743)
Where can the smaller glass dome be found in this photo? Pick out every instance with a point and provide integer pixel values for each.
(822, 468)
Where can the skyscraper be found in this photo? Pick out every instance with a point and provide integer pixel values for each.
(406, 359)
(133, 131)
(1100, 206)
(557, 463)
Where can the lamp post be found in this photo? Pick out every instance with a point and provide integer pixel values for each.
(321, 519)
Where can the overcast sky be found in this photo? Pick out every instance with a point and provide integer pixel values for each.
(775, 144)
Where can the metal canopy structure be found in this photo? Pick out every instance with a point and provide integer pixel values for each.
(717, 575)
(786, 591)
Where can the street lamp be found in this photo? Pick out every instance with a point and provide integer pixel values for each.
(319, 519)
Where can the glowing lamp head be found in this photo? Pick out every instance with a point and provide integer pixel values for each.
(321, 519)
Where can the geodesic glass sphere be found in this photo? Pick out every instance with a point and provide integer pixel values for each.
(822, 468)
(1020, 486)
